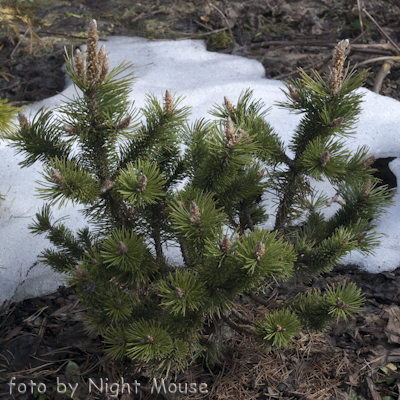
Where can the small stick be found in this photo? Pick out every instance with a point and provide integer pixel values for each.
(382, 31)
(360, 17)
(227, 23)
(381, 75)
(377, 59)
(19, 42)
(202, 34)
(65, 34)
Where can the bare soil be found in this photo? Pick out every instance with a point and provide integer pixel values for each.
(359, 359)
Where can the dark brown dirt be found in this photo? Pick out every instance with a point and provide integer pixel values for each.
(39, 336)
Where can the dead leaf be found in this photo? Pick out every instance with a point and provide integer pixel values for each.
(64, 310)
(205, 18)
(13, 332)
(392, 329)
(372, 388)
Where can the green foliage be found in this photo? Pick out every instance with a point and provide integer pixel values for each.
(141, 195)
(278, 328)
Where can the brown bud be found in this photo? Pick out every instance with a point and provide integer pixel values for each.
(23, 121)
(341, 304)
(228, 104)
(294, 95)
(108, 184)
(225, 244)
(58, 178)
(346, 239)
(366, 189)
(194, 213)
(105, 66)
(101, 55)
(95, 262)
(259, 251)
(69, 129)
(324, 158)
(118, 304)
(123, 249)
(149, 339)
(361, 237)
(168, 102)
(259, 174)
(179, 292)
(279, 328)
(370, 160)
(336, 70)
(142, 183)
(123, 124)
(39, 218)
(80, 271)
(92, 66)
(89, 286)
(80, 69)
(229, 129)
(335, 123)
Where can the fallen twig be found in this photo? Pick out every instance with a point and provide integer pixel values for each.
(381, 75)
(226, 22)
(19, 42)
(377, 59)
(382, 31)
(360, 17)
(202, 34)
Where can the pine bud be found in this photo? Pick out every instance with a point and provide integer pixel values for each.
(123, 124)
(39, 218)
(119, 340)
(123, 249)
(228, 104)
(89, 286)
(69, 129)
(149, 339)
(259, 251)
(279, 328)
(58, 178)
(225, 244)
(229, 130)
(105, 66)
(294, 95)
(260, 174)
(118, 304)
(101, 55)
(194, 213)
(361, 237)
(335, 123)
(80, 271)
(23, 121)
(179, 292)
(368, 161)
(92, 66)
(366, 189)
(142, 183)
(95, 262)
(80, 69)
(324, 158)
(346, 239)
(108, 184)
(168, 102)
(336, 71)
(341, 304)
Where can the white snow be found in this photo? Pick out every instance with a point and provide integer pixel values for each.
(204, 78)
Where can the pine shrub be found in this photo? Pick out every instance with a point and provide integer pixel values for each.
(142, 191)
